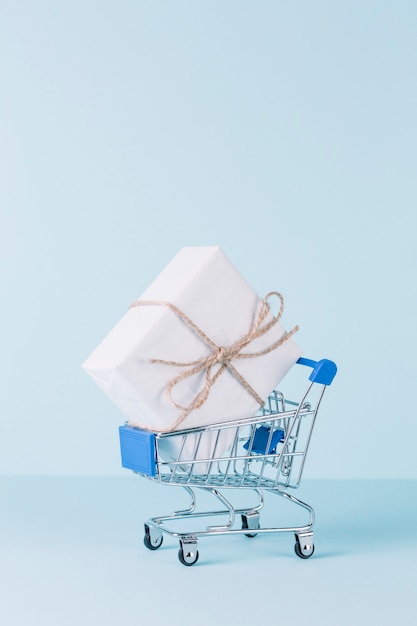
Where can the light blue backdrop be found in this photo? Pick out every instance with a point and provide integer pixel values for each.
(283, 131)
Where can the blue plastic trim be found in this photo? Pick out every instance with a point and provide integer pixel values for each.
(137, 448)
(260, 440)
(323, 371)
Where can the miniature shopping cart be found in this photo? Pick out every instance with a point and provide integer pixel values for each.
(263, 453)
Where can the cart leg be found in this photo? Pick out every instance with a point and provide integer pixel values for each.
(229, 508)
(298, 502)
(191, 508)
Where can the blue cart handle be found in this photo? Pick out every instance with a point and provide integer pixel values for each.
(323, 371)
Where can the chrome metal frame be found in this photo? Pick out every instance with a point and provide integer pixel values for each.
(243, 466)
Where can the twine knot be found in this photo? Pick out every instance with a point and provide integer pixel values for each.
(222, 356)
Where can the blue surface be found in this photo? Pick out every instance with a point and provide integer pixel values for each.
(72, 553)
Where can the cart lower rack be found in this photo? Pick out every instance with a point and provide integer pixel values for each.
(263, 453)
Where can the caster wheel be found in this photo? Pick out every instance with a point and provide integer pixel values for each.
(304, 553)
(245, 526)
(187, 558)
(152, 543)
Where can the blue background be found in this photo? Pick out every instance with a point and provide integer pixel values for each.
(283, 131)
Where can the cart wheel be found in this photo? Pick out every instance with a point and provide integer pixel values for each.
(187, 558)
(245, 525)
(152, 542)
(305, 551)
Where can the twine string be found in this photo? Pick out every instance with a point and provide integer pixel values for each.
(219, 355)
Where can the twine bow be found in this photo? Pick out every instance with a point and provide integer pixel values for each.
(219, 355)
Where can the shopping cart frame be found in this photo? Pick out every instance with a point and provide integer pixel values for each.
(267, 454)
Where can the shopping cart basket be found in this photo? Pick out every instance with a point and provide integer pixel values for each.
(265, 452)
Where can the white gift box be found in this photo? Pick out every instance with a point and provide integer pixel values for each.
(146, 364)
